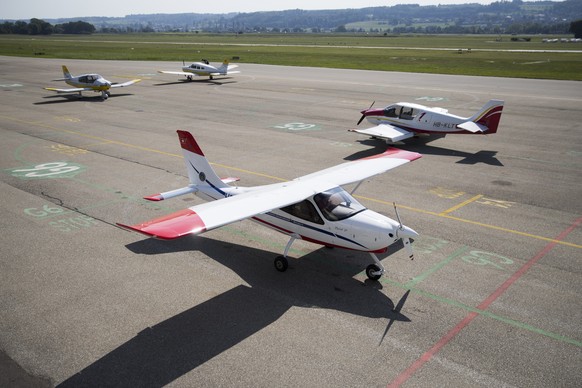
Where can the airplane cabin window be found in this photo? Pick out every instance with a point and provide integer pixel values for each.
(304, 210)
(407, 113)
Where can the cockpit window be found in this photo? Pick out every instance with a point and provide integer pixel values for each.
(337, 204)
(390, 112)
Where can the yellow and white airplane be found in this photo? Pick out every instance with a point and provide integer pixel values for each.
(204, 69)
(89, 83)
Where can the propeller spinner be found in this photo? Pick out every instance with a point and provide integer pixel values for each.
(364, 113)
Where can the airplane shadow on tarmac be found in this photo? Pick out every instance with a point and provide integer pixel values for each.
(221, 81)
(166, 351)
(57, 99)
(422, 147)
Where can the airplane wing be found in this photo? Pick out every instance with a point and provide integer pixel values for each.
(71, 90)
(133, 81)
(386, 131)
(178, 73)
(211, 215)
(201, 218)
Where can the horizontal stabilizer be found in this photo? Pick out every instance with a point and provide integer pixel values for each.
(472, 127)
(172, 193)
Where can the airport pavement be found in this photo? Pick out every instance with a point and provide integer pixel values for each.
(492, 298)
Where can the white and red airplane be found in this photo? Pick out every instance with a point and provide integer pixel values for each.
(89, 83)
(204, 69)
(313, 207)
(404, 120)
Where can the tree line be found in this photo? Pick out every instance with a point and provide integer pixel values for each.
(40, 27)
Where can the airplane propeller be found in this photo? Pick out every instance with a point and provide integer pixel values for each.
(364, 113)
(405, 233)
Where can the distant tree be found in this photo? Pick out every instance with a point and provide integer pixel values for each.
(576, 28)
(39, 27)
(79, 27)
(341, 28)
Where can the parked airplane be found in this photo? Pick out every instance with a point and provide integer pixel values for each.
(204, 69)
(89, 83)
(313, 207)
(404, 120)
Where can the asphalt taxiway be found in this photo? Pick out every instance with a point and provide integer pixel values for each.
(492, 298)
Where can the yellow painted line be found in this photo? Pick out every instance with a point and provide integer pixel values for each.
(443, 214)
(457, 207)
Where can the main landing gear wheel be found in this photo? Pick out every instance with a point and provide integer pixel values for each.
(281, 263)
(373, 272)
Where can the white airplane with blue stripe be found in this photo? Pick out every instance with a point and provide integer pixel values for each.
(204, 69)
(313, 207)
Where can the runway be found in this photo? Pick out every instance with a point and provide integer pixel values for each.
(492, 298)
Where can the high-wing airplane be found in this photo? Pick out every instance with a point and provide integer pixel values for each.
(89, 83)
(204, 69)
(404, 120)
(313, 207)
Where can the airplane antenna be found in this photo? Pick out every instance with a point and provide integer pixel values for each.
(397, 215)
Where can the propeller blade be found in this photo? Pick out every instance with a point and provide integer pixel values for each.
(364, 112)
(408, 247)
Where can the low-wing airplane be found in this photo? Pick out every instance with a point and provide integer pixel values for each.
(89, 83)
(404, 120)
(203, 69)
(313, 207)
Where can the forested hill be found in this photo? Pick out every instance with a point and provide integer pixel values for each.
(515, 16)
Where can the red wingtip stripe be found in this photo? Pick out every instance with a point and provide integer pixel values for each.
(396, 153)
(155, 197)
(172, 226)
(187, 142)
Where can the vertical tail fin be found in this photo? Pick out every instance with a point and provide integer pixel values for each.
(66, 73)
(489, 115)
(199, 170)
(224, 66)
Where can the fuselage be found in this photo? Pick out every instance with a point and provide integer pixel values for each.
(201, 69)
(345, 223)
(416, 118)
(93, 81)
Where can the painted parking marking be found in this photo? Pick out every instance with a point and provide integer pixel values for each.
(67, 150)
(487, 259)
(462, 204)
(446, 193)
(297, 126)
(496, 202)
(65, 224)
(48, 170)
(430, 99)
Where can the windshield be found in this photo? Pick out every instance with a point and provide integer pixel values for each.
(337, 204)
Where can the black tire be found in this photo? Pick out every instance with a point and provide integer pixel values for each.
(370, 272)
(281, 263)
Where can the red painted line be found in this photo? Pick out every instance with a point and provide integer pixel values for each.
(405, 375)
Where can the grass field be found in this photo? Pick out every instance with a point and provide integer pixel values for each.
(443, 54)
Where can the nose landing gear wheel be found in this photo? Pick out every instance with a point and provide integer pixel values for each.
(281, 263)
(373, 272)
